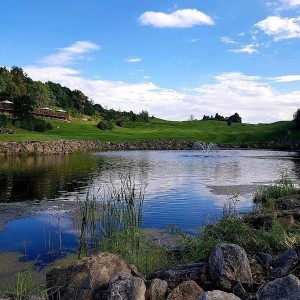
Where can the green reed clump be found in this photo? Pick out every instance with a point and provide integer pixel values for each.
(266, 195)
(112, 222)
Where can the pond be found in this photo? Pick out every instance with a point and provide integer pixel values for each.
(38, 195)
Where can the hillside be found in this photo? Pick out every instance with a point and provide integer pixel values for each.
(207, 131)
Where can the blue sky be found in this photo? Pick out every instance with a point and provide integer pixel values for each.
(171, 58)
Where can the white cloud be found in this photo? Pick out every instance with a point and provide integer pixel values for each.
(280, 28)
(227, 40)
(286, 78)
(246, 49)
(133, 60)
(68, 55)
(180, 18)
(290, 3)
(193, 40)
(254, 99)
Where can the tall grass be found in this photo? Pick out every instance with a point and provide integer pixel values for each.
(112, 222)
(266, 195)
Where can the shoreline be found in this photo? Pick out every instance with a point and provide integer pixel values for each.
(77, 146)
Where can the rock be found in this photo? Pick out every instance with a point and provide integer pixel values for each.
(180, 273)
(82, 279)
(228, 263)
(156, 289)
(218, 295)
(123, 286)
(283, 264)
(188, 290)
(239, 291)
(265, 258)
(286, 288)
(136, 273)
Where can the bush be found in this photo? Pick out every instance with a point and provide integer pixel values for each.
(33, 124)
(3, 121)
(105, 125)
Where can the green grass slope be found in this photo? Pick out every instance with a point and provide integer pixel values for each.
(206, 131)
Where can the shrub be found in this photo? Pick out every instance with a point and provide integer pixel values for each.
(3, 121)
(33, 124)
(105, 125)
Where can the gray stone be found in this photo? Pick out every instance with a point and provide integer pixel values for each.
(180, 273)
(156, 289)
(228, 264)
(124, 286)
(286, 288)
(218, 295)
(82, 279)
(283, 264)
(265, 258)
(188, 290)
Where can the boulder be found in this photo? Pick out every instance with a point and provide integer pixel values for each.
(218, 295)
(286, 288)
(188, 290)
(283, 264)
(180, 273)
(156, 289)
(123, 286)
(228, 264)
(82, 279)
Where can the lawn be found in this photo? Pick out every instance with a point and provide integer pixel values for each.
(157, 129)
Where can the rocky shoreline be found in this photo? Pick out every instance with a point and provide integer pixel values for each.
(75, 146)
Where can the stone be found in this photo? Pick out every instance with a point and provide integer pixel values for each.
(180, 273)
(218, 295)
(156, 289)
(265, 258)
(286, 288)
(187, 290)
(82, 279)
(228, 264)
(283, 264)
(123, 286)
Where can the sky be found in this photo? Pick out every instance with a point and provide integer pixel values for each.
(173, 59)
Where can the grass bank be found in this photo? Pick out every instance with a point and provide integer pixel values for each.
(156, 129)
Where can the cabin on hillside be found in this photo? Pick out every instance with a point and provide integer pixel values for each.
(6, 107)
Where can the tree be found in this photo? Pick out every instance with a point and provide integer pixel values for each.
(22, 107)
(191, 117)
(235, 118)
(296, 118)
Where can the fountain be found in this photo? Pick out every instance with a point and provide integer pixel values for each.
(206, 147)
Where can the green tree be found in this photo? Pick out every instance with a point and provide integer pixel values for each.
(296, 118)
(22, 107)
(235, 118)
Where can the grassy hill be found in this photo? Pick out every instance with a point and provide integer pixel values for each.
(207, 131)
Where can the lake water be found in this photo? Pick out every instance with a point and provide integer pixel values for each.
(184, 188)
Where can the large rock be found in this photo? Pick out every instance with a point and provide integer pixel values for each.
(180, 273)
(82, 279)
(286, 288)
(156, 289)
(123, 286)
(228, 264)
(283, 264)
(188, 290)
(218, 295)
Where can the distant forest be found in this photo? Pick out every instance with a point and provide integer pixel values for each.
(15, 85)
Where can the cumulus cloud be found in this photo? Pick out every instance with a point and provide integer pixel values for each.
(280, 28)
(286, 78)
(69, 55)
(183, 18)
(251, 96)
(246, 49)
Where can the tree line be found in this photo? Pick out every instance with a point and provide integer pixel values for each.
(26, 94)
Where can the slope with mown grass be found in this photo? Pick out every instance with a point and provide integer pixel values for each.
(156, 129)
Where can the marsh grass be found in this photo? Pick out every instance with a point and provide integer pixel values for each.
(112, 222)
(266, 196)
